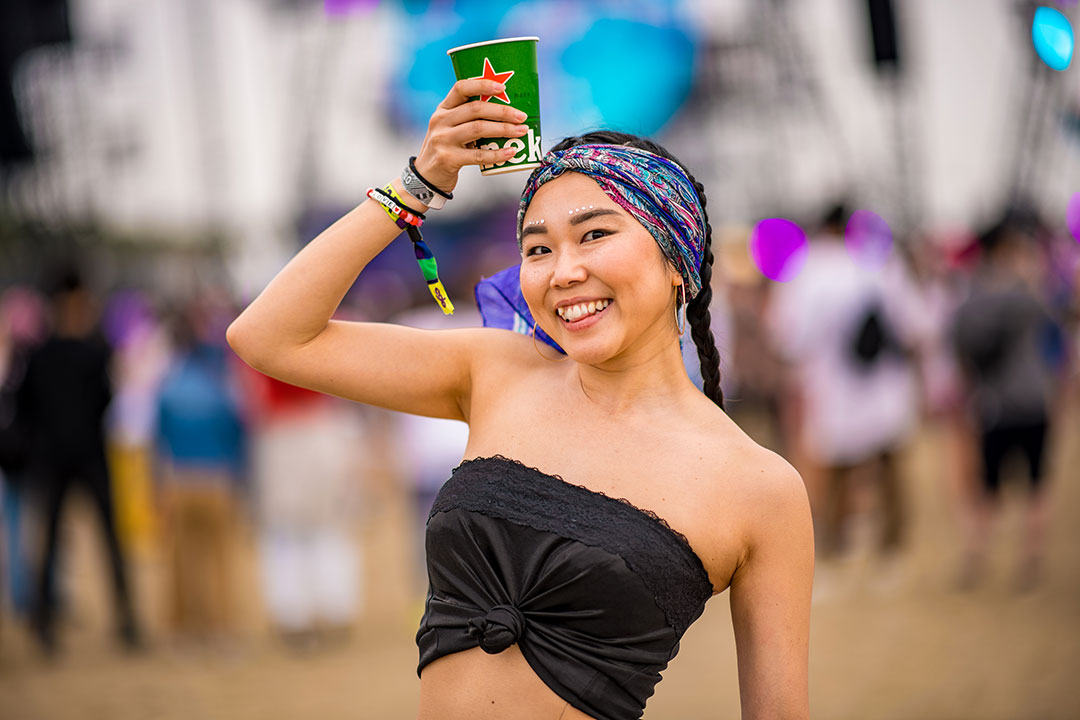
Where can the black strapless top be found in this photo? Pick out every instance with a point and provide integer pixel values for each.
(596, 592)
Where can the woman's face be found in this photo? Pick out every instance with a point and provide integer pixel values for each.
(579, 247)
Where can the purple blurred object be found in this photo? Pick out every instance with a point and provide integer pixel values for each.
(501, 304)
(778, 248)
(344, 7)
(868, 239)
(127, 314)
(1072, 216)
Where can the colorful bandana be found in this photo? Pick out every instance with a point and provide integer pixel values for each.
(654, 190)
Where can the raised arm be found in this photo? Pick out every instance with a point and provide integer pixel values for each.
(287, 331)
(770, 598)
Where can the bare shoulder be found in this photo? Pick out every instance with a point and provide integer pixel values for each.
(768, 481)
(505, 355)
(745, 470)
(743, 496)
(506, 358)
(761, 494)
(776, 528)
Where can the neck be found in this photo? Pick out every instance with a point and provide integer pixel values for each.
(637, 382)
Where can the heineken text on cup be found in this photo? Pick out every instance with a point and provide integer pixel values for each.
(512, 62)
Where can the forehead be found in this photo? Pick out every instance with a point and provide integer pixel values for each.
(566, 192)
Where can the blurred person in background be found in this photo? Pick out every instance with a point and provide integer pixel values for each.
(200, 443)
(141, 355)
(1008, 343)
(847, 334)
(22, 327)
(61, 408)
(756, 370)
(549, 598)
(944, 265)
(305, 453)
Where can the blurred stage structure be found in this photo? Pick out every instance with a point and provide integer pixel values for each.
(242, 126)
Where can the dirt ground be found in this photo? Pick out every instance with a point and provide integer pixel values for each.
(895, 643)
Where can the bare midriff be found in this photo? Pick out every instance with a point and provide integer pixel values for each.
(473, 685)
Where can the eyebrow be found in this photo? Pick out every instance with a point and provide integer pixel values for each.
(574, 220)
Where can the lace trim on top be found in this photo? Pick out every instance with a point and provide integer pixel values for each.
(663, 558)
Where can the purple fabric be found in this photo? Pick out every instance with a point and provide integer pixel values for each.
(502, 305)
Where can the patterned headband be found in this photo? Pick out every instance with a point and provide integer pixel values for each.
(655, 190)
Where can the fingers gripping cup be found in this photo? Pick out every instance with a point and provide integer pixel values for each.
(512, 62)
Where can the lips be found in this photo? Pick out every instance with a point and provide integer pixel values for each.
(584, 322)
(579, 311)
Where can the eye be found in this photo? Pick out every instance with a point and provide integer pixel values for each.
(535, 249)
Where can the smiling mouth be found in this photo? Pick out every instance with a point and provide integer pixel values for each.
(576, 313)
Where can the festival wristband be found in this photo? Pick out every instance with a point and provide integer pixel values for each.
(411, 220)
(430, 270)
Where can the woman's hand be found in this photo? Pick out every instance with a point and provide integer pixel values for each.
(457, 123)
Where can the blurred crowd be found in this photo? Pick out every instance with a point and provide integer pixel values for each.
(136, 402)
(180, 446)
(972, 337)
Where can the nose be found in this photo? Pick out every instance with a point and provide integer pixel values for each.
(569, 269)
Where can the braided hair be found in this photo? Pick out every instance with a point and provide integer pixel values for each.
(697, 309)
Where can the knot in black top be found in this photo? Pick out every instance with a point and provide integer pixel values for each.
(498, 629)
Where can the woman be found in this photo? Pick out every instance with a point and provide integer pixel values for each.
(562, 597)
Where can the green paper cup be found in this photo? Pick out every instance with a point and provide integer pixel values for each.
(511, 61)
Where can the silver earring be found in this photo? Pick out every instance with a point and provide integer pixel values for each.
(681, 326)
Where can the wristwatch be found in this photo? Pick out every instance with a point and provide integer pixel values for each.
(416, 187)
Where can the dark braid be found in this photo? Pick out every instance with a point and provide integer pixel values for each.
(697, 314)
(697, 309)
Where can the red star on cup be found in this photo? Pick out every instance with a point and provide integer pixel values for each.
(490, 74)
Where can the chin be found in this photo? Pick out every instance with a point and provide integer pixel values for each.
(588, 351)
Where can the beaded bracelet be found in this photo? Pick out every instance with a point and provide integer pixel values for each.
(398, 211)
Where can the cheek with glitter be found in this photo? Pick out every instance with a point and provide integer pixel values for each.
(778, 249)
(1072, 216)
(868, 239)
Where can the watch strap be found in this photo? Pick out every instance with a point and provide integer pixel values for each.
(418, 189)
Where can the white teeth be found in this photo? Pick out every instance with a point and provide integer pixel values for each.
(575, 312)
